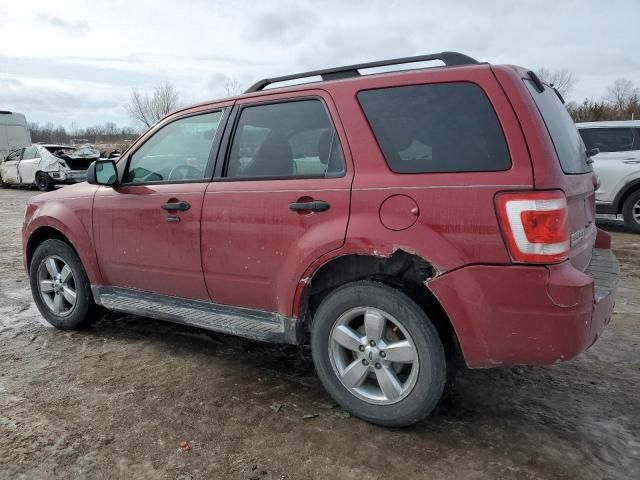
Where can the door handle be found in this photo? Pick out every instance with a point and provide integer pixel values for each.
(631, 161)
(313, 206)
(179, 206)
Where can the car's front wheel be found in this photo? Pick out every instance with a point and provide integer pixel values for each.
(631, 212)
(44, 182)
(60, 286)
(378, 354)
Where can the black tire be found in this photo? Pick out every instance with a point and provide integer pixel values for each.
(630, 204)
(44, 182)
(432, 371)
(82, 313)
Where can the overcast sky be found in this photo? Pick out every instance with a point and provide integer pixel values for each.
(76, 61)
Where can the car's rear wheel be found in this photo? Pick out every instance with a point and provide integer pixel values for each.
(60, 286)
(378, 354)
(44, 182)
(631, 212)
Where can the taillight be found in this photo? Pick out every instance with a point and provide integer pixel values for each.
(535, 225)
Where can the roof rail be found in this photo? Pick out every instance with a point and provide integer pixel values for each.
(449, 58)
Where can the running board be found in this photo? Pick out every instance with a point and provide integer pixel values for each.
(243, 322)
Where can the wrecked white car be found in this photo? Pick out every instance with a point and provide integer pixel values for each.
(46, 165)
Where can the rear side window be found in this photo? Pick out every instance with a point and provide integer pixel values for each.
(294, 139)
(446, 127)
(564, 134)
(610, 139)
(29, 153)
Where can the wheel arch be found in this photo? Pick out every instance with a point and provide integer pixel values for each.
(54, 220)
(402, 270)
(39, 236)
(625, 193)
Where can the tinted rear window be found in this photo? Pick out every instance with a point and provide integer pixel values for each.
(566, 139)
(445, 127)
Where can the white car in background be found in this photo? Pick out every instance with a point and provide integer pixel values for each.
(617, 163)
(45, 165)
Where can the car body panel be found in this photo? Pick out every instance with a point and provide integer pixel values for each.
(68, 211)
(548, 173)
(254, 248)
(141, 245)
(445, 235)
(138, 248)
(9, 168)
(551, 316)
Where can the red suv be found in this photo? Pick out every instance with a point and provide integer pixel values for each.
(392, 220)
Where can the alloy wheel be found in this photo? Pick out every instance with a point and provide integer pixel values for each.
(373, 355)
(57, 285)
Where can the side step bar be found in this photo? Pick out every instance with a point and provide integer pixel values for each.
(243, 322)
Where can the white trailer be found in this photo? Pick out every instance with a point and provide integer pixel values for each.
(14, 133)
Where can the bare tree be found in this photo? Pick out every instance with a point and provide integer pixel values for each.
(149, 108)
(232, 87)
(622, 94)
(563, 80)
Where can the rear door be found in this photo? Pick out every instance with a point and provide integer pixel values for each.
(575, 176)
(28, 165)
(280, 199)
(619, 157)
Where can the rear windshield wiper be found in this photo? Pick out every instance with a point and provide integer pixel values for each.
(536, 81)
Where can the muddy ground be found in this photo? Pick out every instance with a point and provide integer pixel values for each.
(115, 401)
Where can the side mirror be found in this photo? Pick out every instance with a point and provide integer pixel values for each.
(103, 172)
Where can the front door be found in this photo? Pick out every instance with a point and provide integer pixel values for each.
(147, 231)
(9, 167)
(280, 201)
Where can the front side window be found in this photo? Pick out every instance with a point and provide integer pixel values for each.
(13, 156)
(447, 127)
(177, 152)
(610, 139)
(285, 140)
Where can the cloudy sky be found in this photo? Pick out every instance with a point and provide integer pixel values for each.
(76, 61)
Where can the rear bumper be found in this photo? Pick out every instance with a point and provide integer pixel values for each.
(71, 176)
(531, 315)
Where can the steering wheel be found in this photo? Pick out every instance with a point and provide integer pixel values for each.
(188, 169)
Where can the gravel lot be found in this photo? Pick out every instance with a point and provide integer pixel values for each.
(115, 401)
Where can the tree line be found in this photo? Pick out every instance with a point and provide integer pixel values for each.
(621, 101)
(106, 133)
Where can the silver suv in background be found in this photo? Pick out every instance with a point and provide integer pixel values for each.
(617, 163)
